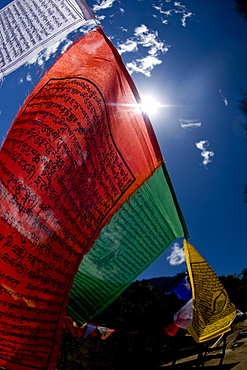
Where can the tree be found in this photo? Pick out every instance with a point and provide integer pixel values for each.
(241, 6)
(139, 315)
(243, 109)
(236, 287)
(243, 275)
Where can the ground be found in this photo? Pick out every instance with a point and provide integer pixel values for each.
(235, 357)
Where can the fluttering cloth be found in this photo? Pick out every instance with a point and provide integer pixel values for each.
(28, 26)
(213, 311)
(80, 158)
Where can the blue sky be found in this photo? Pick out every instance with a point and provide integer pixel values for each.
(190, 56)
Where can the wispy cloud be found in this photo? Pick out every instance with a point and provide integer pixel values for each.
(67, 44)
(129, 45)
(144, 65)
(206, 154)
(104, 4)
(45, 54)
(29, 77)
(177, 255)
(58, 48)
(123, 29)
(224, 98)
(144, 38)
(177, 8)
(185, 16)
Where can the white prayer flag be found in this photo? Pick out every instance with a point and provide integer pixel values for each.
(28, 26)
(184, 316)
(87, 12)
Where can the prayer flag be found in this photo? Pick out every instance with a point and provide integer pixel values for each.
(184, 316)
(182, 319)
(27, 27)
(213, 311)
(88, 329)
(80, 170)
(183, 289)
(171, 329)
(71, 327)
(106, 333)
(137, 233)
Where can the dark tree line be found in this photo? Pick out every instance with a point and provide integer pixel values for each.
(241, 6)
(243, 109)
(236, 287)
(139, 315)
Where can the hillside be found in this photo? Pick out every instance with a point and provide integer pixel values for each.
(235, 357)
(139, 316)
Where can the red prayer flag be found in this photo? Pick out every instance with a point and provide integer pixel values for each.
(76, 151)
(171, 329)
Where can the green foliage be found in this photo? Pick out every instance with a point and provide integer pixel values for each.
(241, 7)
(236, 287)
(140, 306)
(243, 106)
(243, 109)
(243, 275)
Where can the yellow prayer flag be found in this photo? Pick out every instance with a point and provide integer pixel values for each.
(213, 311)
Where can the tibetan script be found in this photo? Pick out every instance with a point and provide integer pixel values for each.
(61, 173)
(26, 27)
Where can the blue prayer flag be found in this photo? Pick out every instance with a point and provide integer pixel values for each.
(183, 289)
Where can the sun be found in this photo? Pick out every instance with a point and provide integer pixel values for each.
(150, 105)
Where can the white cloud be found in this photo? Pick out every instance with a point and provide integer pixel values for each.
(201, 144)
(223, 98)
(177, 3)
(183, 20)
(45, 54)
(129, 45)
(167, 12)
(88, 26)
(225, 101)
(144, 65)
(68, 43)
(206, 154)
(148, 39)
(179, 9)
(29, 77)
(177, 255)
(104, 4)
(141, 29)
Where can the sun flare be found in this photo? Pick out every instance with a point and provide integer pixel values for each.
(150, 105)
